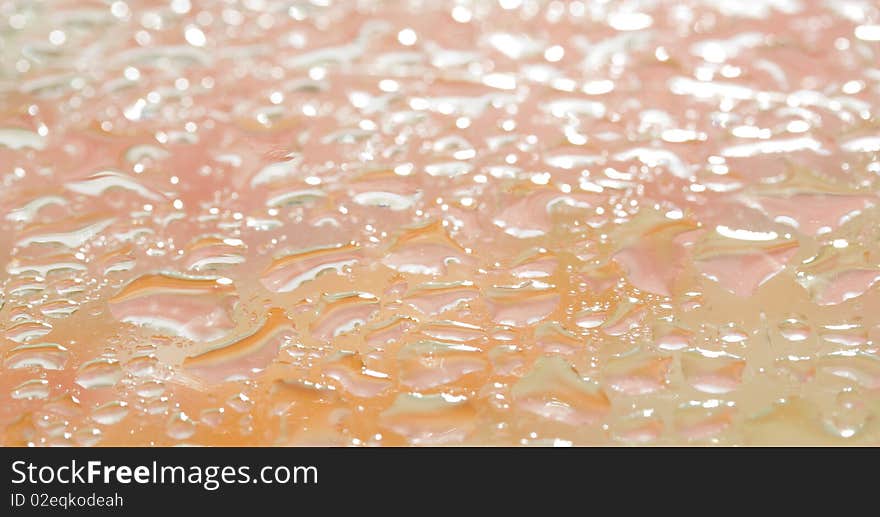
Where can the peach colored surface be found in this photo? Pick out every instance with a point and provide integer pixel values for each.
(276, 222)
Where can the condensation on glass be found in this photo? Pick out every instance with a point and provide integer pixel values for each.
(275, 222)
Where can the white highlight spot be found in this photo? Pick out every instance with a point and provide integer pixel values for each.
(630, 21)
(194, 36)
(745, 235)
(407, 37)
(868, 32)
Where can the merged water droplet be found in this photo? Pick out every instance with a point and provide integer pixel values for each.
(504, 223)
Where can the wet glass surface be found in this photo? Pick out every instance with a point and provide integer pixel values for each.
(521, 222)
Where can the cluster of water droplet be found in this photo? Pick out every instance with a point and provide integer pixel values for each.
(519, 222)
